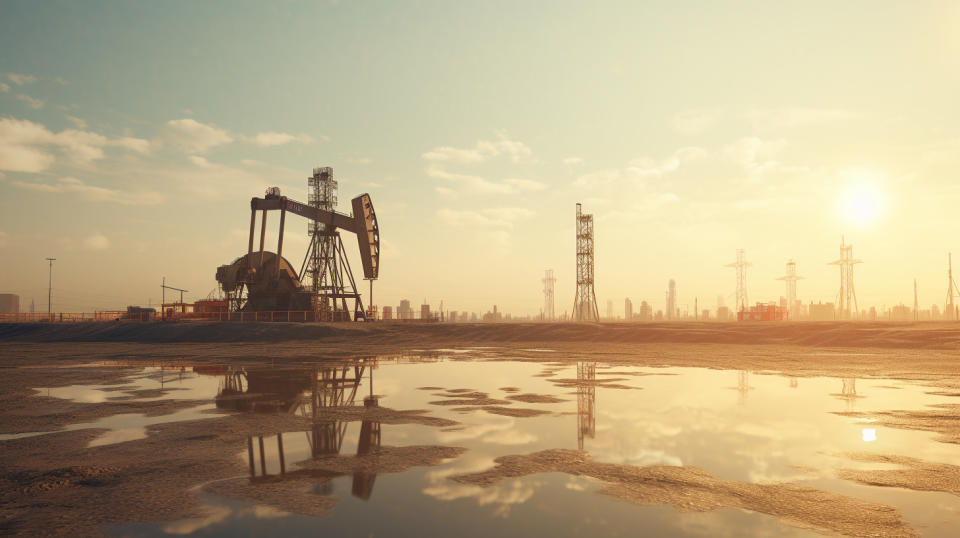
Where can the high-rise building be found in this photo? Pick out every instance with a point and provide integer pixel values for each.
(627, 310)
(387, 313)
(646, 312)
(404, 311)
(609, 309)
(671, 307)
(9, 303)
(425, 310)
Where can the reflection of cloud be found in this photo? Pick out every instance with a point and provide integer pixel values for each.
(501, 496)
(501, 433)
(192, 525)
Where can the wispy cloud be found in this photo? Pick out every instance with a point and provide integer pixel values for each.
(271, 138)
(81, 124)
(192, 136)
(573, 161)
(97, 241)
(20, 79)
(480, 185)
(26, 146)
(698, 121)
(482, 151)
(92, 193)
(33, 103)
(4, 87)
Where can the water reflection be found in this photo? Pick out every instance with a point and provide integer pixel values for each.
(310, 393)
(586, 401)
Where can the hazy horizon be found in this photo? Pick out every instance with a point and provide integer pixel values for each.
(133, 135)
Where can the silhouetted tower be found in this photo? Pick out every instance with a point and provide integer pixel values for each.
(741, 266)
(585, 301)
(847, 297)
(916, 302)
(950, 311)
(326, 263)
(791, 279)
(671, 307)
(548, 284)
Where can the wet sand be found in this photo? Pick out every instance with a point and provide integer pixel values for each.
(54, 484)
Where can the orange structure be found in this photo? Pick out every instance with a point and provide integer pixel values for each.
(764, 312)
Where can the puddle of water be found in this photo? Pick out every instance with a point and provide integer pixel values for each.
(739, 426)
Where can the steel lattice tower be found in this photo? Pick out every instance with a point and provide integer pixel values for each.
(847, 297)
(741, 266)
(585, 301)
(791, 279)
(548, 285)
(331, 278)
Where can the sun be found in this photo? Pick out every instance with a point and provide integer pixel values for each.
(862, 203)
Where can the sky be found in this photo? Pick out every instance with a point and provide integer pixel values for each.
(133, 134)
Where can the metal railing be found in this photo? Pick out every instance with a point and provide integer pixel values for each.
(77, 317)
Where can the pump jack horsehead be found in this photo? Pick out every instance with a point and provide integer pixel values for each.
(262, 281)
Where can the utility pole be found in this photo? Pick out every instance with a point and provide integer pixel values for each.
(50, 287)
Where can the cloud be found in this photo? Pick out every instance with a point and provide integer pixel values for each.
(482, 151)
(97, 241)
(192, 136)
(20, 80)
(251, 162)
(640, 169)
(573, 161)
(754, 154)
(4, 87)
(26, 146)
(35, 104)
(501, 217)
(81, 124)
(92, 193)
(360, 160)
(480, 185)
(271, 138)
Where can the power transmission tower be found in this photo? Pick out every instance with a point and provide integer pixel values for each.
(548, 285)
(741, 266)
(585, 301)
(791, 279)
(847, 297)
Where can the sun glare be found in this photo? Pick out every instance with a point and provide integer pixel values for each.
(861, 204)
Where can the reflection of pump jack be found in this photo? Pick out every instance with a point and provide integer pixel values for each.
(331, 387)
(586, 402)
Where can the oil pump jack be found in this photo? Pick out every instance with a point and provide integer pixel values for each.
(265, 281)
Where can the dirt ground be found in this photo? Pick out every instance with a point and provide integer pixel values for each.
(54, 485)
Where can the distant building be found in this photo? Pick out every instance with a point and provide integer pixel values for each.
(387, 313)
(609, 309)
(822, 312)
(901, 312)
(453, 316)
(627, 309)
(404, 311)
(705, 315)
(671, 308)
(9, 303)
(493, 316)
(723, 313)
(425, 311)
(935, 312)
(646, 312)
